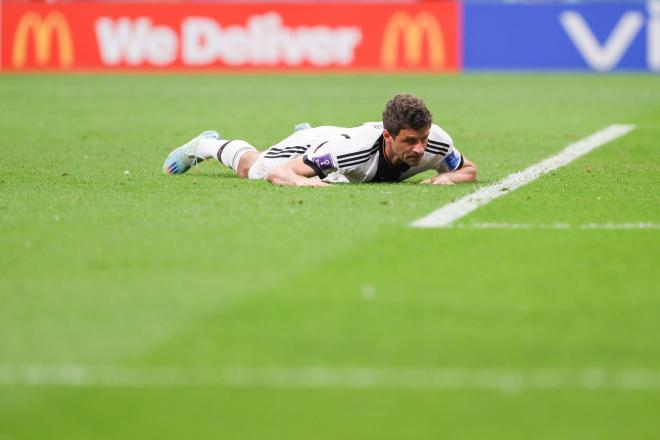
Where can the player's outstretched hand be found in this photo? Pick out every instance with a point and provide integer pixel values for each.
(440, 179)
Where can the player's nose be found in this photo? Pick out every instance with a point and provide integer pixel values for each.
(419, 148)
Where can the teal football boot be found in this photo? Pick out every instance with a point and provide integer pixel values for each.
(183, 158)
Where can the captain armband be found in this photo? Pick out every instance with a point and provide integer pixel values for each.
(453, 161)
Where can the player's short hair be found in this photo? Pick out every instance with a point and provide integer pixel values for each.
(405, 111)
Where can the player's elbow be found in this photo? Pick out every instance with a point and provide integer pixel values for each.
(277, 176)
(273, 176)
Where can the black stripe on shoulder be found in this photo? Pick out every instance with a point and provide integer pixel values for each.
(436, 150)
(272, 152)
(436, 147)
(355, 162)
(375, 146)
(365, 155)
(349, 156)
(346, 136)
(285, 152)
(292, 147)
(355, 153)
(438, 143)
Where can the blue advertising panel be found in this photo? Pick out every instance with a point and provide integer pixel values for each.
(600, 36)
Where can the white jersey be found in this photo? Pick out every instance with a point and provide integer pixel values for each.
(356, 154)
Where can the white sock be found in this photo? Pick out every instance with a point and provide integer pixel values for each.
(230, 152)
(208, 148)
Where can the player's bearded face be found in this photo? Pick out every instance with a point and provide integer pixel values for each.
(408, 146)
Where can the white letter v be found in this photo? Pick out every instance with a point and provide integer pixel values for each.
(605, 57)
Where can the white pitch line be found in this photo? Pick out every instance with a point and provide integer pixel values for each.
(583, 226)
(324, 377)
(447, 214)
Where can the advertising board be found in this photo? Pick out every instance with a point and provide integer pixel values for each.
(371, 37)
(590, 36)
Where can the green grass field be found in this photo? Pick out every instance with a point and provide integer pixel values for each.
(138, 305)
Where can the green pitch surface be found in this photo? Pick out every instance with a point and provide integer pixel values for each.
(138, 305)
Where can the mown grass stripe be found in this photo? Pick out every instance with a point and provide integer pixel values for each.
(497, 379)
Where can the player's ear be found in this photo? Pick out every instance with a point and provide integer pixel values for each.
(386, 134)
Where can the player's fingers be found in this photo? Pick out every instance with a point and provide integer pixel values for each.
(315, 181)
(312, 182)
(426, 181)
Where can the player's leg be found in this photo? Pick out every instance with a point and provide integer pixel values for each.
(247, 161)
(210, 145)
(238, 155)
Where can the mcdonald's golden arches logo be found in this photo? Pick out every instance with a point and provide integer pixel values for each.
(54, 25)
(411, 31)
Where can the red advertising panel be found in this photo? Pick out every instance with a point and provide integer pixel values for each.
(373, 37)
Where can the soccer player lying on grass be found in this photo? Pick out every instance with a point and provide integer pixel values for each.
(404, 144)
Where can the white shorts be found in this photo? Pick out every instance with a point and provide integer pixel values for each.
(290, 148)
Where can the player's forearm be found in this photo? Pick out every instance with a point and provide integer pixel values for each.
(285, 176)
(467, 173)
(464, 175)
